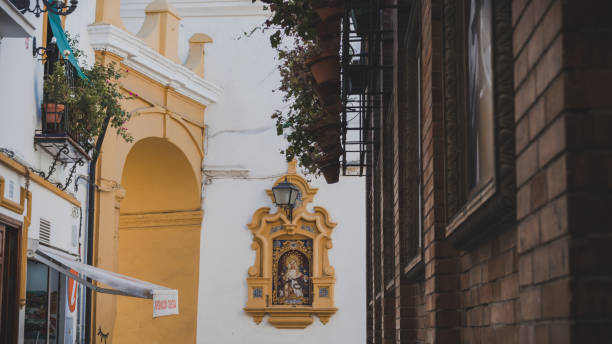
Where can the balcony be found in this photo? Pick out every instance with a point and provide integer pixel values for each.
(58, 135)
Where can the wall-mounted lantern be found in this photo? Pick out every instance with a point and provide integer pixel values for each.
(285, 196)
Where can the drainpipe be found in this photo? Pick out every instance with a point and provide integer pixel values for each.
(91, 194)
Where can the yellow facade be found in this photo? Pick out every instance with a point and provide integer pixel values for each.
(148, 203)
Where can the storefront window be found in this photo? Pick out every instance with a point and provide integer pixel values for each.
(42, 305)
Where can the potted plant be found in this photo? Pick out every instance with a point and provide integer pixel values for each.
(57, 94)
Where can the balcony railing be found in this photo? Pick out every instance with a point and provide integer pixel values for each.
(56, 119)
(56, 135)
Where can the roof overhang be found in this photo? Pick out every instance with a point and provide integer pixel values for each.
(13, 23)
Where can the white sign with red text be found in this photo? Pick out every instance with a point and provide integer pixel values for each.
(165, 302)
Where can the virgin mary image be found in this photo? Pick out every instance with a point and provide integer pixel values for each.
(294, 286)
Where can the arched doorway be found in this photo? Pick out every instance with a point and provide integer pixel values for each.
(159, 240)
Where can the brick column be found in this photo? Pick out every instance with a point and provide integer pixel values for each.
(441, 283)
(563, 105)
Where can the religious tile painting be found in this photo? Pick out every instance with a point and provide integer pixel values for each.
(292, 272)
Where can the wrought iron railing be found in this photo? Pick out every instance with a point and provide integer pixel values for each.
(56, 118)
(56, 135)
(361, 93)
(366, 76)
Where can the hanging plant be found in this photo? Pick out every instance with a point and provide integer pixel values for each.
(312, 133)
(296, 122)
(310, 75)
(290, 18)
(95, 99)
(90, 100)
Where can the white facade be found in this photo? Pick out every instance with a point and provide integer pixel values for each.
(21, 77)
(242, 161)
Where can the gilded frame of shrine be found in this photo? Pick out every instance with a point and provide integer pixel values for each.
(316, 281)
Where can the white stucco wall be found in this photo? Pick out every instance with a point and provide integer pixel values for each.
(226, 256)
(241, 135)
(21, 97)
(21, 80)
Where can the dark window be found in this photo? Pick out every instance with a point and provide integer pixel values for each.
(42, 305)
(478, 119)
(480, 165)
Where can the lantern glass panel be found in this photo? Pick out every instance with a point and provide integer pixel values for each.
(281, 196)
(294, 194)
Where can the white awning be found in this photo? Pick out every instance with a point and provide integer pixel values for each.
(165, 300)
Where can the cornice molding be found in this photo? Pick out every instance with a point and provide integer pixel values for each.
(143, 59)
(198, 8)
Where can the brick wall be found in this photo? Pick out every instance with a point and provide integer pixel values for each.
(563, 59)
(546, 279)
(489, 291)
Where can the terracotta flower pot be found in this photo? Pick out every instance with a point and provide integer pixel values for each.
(328, 143)
(334, 109)
(325, 67)
(331, 172)
(328, 93)
(54, 112)
(329, 43)
(329, 165)
(327, 138)
(324, 120)
(328, 29)
(327, 9)
(328, 34)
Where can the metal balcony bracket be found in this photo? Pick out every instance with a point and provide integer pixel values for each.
(64, 149)
(79, 162)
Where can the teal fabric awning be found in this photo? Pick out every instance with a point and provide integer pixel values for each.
(62, 41)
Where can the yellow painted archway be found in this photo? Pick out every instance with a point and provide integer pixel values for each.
(148, 199)
(159, 241)
(148, 210)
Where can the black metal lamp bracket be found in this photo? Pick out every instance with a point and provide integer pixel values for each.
(58, 7)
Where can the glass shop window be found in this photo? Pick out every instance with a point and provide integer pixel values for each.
(42, 305)
(480, 140)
